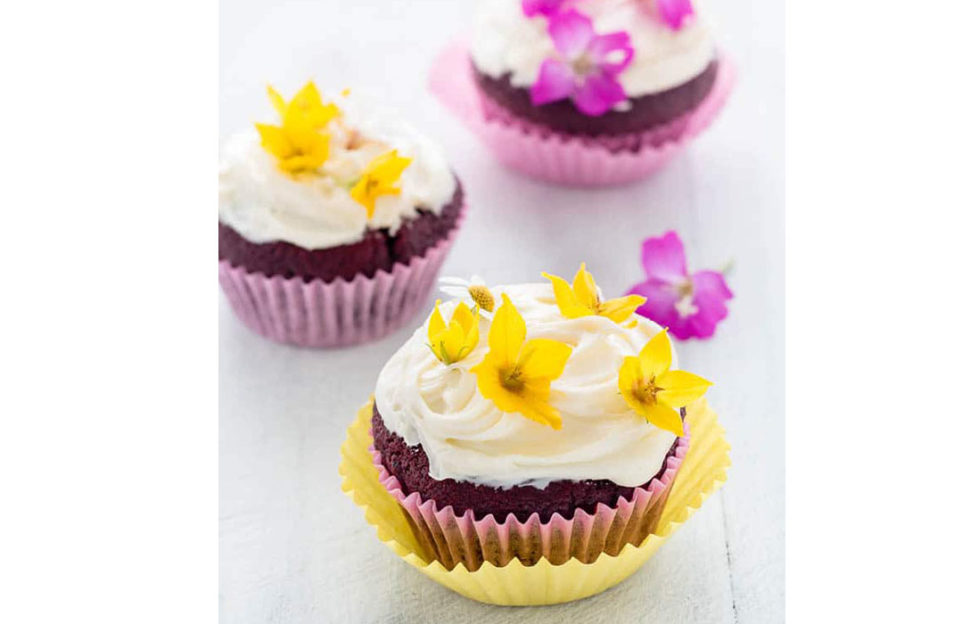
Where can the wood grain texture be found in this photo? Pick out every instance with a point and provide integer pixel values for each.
(293, 548)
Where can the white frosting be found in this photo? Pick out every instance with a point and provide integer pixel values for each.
(506, 41)
(314, 210)
(466, 437)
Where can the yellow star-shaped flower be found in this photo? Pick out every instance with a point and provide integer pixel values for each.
(516, 374)
(583, 299)
(451, 342)
(654, 391)
(381, 177)
(300, 143)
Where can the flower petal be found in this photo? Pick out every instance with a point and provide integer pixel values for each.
(274, 140)
(674, 12)
(278, 102)
(569, 306)
(656, 356)
(541, 411)
(585, 290)
(507, 332)
(621, 308)
(617, 46)
(680, 388)
(664, 258)
(664, 417)
(544, 358)
(436, 324)
(660, 302)
(571, 32)
(630, 375)
(554, 82)
(599, 93)
(541, 7)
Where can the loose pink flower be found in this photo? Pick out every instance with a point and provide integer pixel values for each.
(542, 7)
(689, 305)
(588, 69)
(675, 12)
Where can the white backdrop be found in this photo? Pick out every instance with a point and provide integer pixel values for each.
(293, 548)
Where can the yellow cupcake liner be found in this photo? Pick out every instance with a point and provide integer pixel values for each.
(703, 470)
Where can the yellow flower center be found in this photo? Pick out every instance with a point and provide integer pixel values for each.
(645, 392)
(512, 380)
(482, 297)
(685, 288)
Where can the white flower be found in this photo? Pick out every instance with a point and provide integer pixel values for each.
(473, 291)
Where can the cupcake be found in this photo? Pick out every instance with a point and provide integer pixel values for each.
(333, 220)
(541, 422)
(594, 91)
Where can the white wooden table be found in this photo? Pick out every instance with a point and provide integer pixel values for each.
(293, 548)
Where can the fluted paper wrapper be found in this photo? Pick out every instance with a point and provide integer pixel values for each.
(335, 313)
(461, 539)
(543, 582)
(563, 158)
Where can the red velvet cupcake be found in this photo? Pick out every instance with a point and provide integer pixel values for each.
(543, 423)
(587, 92)
(594, 67)
(333, 222)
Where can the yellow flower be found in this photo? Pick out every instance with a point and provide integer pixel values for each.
(299, 144)
(583, 298)
(654, 391)
(516, 375)
(307, 104)
(380, 178)
(452, 342)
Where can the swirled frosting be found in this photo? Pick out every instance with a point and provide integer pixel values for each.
(315, 210)
(466, 437)
(506, 41)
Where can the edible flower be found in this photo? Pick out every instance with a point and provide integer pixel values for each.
(473, 289)
(299, 144)
(584, 300)
(542, 7)
(691, 306)
(654, 391)
(674, 12)
(381, 177)
(516, 374)
(588, 68)
(451, 342)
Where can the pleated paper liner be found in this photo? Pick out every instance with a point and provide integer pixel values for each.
(335, 313)
(562, 158)
(453, 538)
(704, 468)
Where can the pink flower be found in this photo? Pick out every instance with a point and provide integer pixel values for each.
(542, 7)
(689, 305)
(674, 12)
(588, 69)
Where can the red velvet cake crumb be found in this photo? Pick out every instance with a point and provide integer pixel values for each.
(410, 465)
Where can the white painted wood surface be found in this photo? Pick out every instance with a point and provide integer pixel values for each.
(293, 548)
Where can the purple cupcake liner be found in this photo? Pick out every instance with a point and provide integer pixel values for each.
(339, 312)
(456, 539)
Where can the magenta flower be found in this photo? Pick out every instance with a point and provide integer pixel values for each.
(689, 305)
(588, 69)
(674, 12)
(542, 7)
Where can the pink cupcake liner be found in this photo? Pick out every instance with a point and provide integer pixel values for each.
(562, 158)
(453, 539)
(335, 313)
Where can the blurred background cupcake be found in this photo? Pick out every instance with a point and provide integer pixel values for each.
(540, 422)
(602, 91)
(333, 220)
